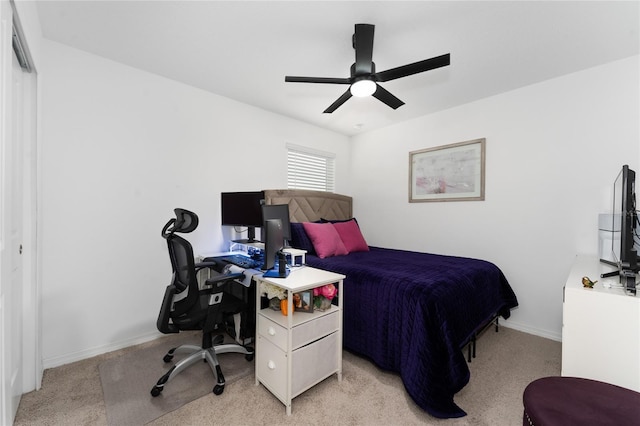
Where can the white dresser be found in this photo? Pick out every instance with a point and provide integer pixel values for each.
(601, 328)
(297, 351)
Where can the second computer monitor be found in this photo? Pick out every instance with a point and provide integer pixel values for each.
(273, 242)
(278, 211)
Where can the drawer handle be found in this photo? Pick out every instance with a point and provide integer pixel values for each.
(271, 365)
(271, 331)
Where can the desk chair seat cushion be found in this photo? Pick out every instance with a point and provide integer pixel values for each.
(576, 401)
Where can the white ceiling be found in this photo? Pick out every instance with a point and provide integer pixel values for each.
(242, 50)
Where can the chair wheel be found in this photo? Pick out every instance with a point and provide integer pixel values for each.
(167, 358)
(218, 389)
(249, 357)
(155, 391)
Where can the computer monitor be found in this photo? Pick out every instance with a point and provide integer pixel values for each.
(242, 209)
(273, 242)
(279, 211)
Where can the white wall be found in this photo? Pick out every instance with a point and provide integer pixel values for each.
(121, 149)
(553, 151)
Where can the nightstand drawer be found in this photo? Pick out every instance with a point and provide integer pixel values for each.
(273, 332)
(314, 330)
(302, 334)
(313, 363)
(271, 368)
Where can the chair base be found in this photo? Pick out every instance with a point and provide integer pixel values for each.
(196, 354)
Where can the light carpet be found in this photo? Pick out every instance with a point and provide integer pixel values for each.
(507, 362)
(127, 380)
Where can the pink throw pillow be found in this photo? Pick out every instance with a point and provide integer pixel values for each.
(351, 236)
(325, 239)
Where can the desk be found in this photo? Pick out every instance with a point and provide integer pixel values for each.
(247, 331)
(299, 350)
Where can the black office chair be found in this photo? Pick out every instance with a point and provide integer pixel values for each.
(187, 307)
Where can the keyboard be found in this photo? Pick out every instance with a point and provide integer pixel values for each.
(241, 261)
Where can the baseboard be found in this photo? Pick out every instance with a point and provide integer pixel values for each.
(531, 330)
(88, 353)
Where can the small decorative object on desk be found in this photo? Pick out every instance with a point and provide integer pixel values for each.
(322, 296)
(586, 282)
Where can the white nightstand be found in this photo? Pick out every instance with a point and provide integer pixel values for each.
(297, 351)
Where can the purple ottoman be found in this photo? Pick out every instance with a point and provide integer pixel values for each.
(570, 401)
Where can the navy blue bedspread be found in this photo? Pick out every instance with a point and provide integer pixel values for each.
(412, 313)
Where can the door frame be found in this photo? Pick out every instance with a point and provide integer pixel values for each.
(29, 311)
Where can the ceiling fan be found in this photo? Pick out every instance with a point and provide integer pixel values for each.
(364, 78)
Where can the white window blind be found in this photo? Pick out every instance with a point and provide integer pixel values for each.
(310, 169)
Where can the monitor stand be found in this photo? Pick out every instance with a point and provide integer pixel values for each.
(251, 236)
(628, 280)
(612, 273)
(627, 276)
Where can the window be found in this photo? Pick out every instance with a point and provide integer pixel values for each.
(310, 169)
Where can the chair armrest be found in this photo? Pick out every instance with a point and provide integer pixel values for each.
(208, 264)
(218, 280)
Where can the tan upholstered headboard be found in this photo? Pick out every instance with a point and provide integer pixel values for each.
(309, 206)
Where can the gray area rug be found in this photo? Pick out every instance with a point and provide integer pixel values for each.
(127, 380)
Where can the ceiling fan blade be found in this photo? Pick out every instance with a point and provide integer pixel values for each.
(329, 80)
(414, 68)
(385, 96)
(342, 99)
(363, 44)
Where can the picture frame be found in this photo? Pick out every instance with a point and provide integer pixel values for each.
(453, 172)
(303, 301)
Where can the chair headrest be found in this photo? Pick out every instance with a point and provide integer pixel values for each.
(184, 222)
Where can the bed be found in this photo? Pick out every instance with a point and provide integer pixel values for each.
(411, 313)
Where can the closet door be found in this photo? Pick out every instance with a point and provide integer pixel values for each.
(17, 147)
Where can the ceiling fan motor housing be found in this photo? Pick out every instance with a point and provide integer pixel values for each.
(369, 73)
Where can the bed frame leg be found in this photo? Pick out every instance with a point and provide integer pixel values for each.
(471, 348)
(474, 345)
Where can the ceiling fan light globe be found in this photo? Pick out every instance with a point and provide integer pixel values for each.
(363, 88)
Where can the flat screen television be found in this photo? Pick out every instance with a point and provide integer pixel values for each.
(279, 211)
(242, 209)
(625, 220)
(273, 245)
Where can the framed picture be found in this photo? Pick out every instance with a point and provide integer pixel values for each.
(303, 301)
(452, 172)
